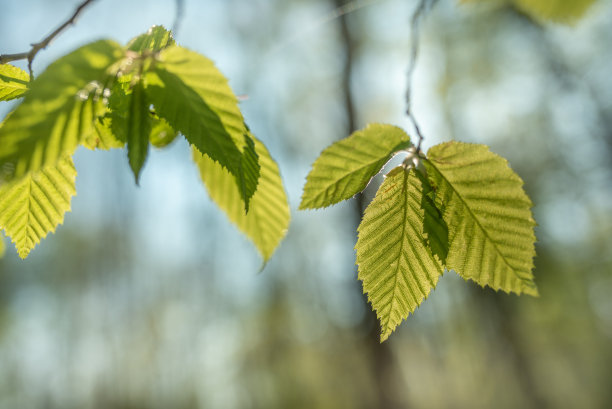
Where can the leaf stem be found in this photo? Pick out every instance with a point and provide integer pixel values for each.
(41, 45)
(415, 25)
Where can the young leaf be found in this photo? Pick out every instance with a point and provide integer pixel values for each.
(490, 225)
(58, 110)
(33, 206)
(346, 167)
(156, 39)
(13, 82)
(193, 96)
(139, 129)
(396, 265)
(267, 221)
(162, 134)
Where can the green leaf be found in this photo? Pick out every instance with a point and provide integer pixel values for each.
(118, 107)
(162, 134)
(13, 82)
(139, 129)
(194, 97)
(2, 246)
(33, 206)
(156, 39)
(395, 263)
(59, 110)
(563, 11)
(490, 225)
(267, 221)
(103, 136)
(347, 166)
(434, 226)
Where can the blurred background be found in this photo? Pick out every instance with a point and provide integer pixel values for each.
(147, 297)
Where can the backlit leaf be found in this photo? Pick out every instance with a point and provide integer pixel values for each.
(562, 11)
(58, 111)
(13, 82)
(156, 39)
(490, 226)
(347, 166)
(194, 97)
(396, 265)
(33, 206)
(267, 221)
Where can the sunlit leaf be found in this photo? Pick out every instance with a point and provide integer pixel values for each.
(194, 97)
(562, 11)
(58, 111)
(490, 225)
(346, 167)
(565, 11)
(267, 221)
(33, 206)
(396, 265)
(13, 82)
(156, 39)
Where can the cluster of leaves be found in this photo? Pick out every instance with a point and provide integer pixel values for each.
(460, 207)
(105, 96)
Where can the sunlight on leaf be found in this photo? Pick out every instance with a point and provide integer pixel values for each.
(156, 39)
(58, 111)
(490, 225)
(347, 166)
(33, 206)
(194, 97)
(267, 221)
(396, 266)
(13, 82)
(561, 11)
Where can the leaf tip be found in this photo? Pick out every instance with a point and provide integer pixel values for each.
(531, 289)
(304, 205)
(385, 332)
(136, 177)
(23, 252)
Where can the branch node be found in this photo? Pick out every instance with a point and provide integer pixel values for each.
(41, 45)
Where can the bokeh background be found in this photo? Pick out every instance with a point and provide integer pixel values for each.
(147, 297)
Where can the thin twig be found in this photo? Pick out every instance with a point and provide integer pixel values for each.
(178, 17)
(336, 13)
(41, 45)
(415, 25)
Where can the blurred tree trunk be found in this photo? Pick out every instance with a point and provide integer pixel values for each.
(384, 371)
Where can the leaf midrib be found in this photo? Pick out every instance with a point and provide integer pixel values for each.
(397, 268)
